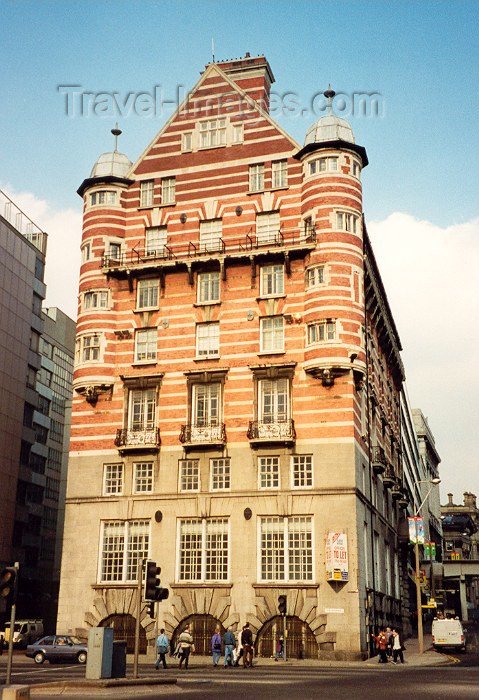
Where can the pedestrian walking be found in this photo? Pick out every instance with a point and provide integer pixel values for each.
(216, 646)
(247, 642)
(279, 649)
(230, 642)
(239, 648)
(398, 646)
(162, 646)
(185, 642)
(381, 645)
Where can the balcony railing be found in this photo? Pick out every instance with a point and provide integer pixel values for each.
(24, 225)
(389, 478)
(165, 254)
(277, 431)
(138, 439)
(193, 434)
(378, 460)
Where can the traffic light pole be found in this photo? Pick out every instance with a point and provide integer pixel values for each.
(284, 637)
(12, 629)
(137, 622)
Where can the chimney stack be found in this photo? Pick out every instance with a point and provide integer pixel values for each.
(253, 75)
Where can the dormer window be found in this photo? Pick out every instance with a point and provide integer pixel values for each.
(103, 197)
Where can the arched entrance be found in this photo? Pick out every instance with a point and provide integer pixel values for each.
(202, 629)
(300, 641)
(124, 628)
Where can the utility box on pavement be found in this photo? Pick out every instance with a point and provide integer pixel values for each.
(16, 692)
(100, 652)
(118, 666)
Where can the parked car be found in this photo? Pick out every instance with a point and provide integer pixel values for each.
(448, 634)
(25, 632)
(58, 648)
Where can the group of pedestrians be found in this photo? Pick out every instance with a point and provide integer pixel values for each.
(389, 644)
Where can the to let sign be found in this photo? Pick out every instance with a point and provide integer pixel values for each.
(337, 557)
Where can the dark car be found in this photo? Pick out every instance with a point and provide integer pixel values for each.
(57, 648)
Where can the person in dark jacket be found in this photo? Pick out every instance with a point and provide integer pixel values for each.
(247, 642)
(230, 643)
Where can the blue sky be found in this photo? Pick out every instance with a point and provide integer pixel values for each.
(420, 189)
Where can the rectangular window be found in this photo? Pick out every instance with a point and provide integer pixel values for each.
(103, 197)
(268, 472)
(189, 475)
(208, 340)
(146, 345)
(37, 304)
(274, 400)
(114, 251)
(267, 228)
(95, 300)
(46, 348)
(203, 550)
(280, 173)
(168, 186)
(147, 294)
(302, 471)
(220, 474)
(155, 241)
(237, 134)
(123, 546)
(256, 177)
(286, 549)
(213, 133)
(346, 221)
(43, 405)
(272, 334)
(112, 479)
(211, 232)
(206, 408)
(272, 280)
(356, 169)
(187, 142)
(308, 225)
(147, 188)
(315, 276)
(321, 331)
(142, 477)
(141, 416)
(90, 348)
(322, 165)
(86, 252)
(208, 287)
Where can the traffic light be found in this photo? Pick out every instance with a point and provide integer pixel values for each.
(153, 590)
(282, 604)
(8, 584)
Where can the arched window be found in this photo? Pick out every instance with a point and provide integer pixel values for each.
(202, 628)
(300, 641)
(124, 628)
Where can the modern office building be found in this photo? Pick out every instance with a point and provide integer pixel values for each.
(236, 409)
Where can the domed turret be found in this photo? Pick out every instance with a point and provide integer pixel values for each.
(111, 167)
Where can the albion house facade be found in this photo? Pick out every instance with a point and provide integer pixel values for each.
(236, 406)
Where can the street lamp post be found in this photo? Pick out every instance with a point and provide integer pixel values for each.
(420, 634)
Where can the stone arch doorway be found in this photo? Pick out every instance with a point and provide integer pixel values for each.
(300, 643)
(202, 629)
(124, 628)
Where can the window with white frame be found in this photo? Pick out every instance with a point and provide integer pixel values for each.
(273, 400)
(220, 469)
(345, 221)
(142, 477)
(213, 133)
(268, 472)
(272, 280)
(286, 549)
(208, 287)
(211, 232)
(112, 479)
(187, 142)
(321, 331)
(237, 133)
(356, 169)
(86, 252)
(322, 165)
(315, 276)
(203, 549)
(280, 173)
(302, 471)
(147, 294)
(256, 177)
(168, 187)
(142, 409)
(189, 474)
(103, 197)
(206, 404)
(155, 240)
(267, 227)
(146, 345)
(272, 334)
(97, 299)
(207, 340)
(308, 226)
(90, 348)
(124, 544)
(147, 189)
(114, 250)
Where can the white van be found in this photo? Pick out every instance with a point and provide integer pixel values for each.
(448, 634)
(25, 632)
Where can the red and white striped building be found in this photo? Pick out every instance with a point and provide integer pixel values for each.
(236, 391)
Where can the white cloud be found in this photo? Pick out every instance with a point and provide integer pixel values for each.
(63, 249)
(430, 276)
